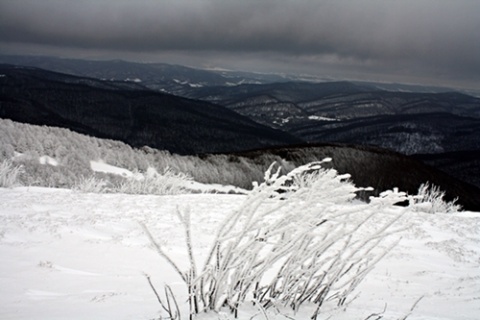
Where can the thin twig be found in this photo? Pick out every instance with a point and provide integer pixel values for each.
(161, 252)
(377, 315)
(169, 292)
(412, 308)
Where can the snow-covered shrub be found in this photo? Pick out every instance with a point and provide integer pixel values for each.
(91, 184)
(9, 174)
(152, 182)
(294, 241)
(430, 199)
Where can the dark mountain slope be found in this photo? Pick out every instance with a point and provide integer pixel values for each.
(405, 133)
(463, 165)
(407, 122)
(375, 103)
(337, 100)
(374, 167)
(128, 112)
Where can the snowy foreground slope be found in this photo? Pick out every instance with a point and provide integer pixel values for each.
(71, 255)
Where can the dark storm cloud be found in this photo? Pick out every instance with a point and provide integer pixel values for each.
(439, 37)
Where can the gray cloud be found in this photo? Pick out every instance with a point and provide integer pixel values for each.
(412, 39)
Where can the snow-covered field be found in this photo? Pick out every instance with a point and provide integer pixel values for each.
(72, 255)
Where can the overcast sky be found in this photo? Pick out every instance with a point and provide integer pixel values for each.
(416, 41)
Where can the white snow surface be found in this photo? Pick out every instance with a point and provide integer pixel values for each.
(71, 255)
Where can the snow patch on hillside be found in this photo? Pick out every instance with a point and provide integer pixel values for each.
(100, 166)
(136, 80)
(319, 118)
(48, 160)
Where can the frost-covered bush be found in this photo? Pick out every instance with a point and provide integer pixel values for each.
(92, 184)
(9, 174)
(152, 182)
(430, 199)
(296, 240)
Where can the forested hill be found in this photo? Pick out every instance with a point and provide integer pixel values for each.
(128, 112)
(56, 157)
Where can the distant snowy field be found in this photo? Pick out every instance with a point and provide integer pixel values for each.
(72, 255)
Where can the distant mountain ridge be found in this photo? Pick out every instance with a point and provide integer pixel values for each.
(179, 80)
(128, 112)
(168, 78)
